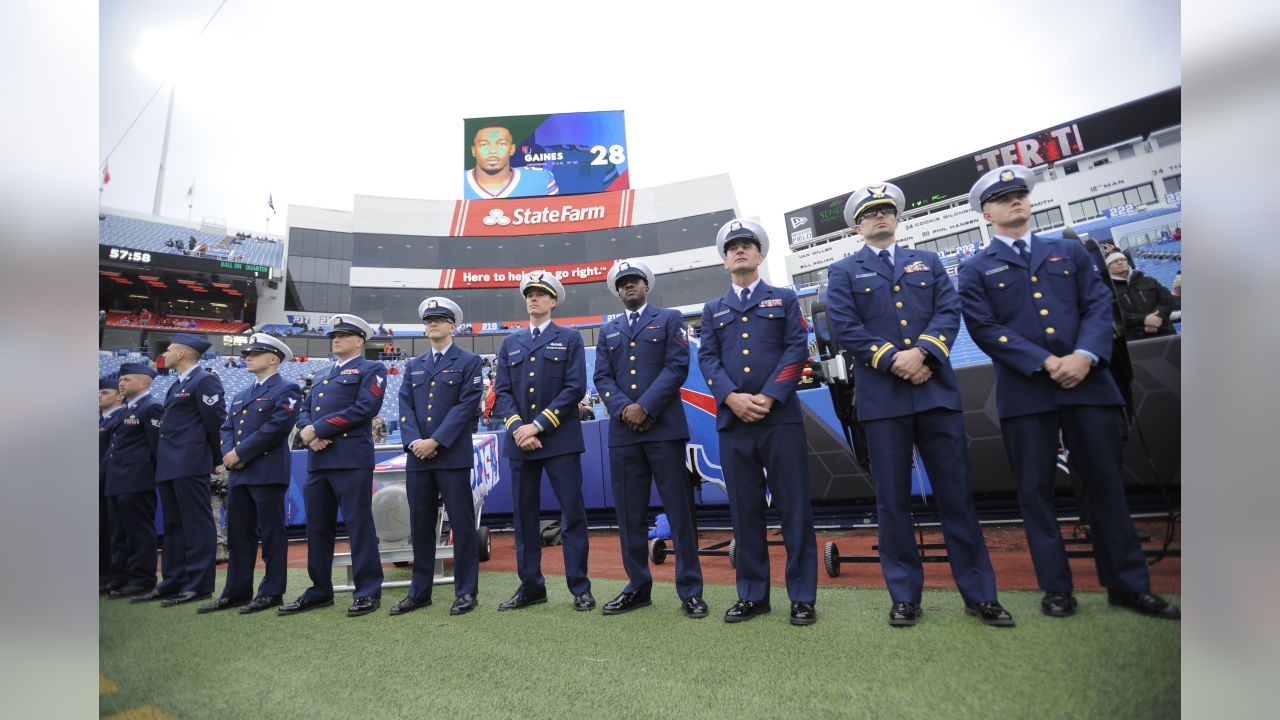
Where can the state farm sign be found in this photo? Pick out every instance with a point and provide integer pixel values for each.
(542, 215)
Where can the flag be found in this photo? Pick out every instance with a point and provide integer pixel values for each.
(106, 174)
(191, 191)
(271, 204)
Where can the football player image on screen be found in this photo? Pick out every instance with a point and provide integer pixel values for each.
(493, 176)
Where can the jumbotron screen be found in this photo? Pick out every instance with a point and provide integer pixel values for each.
(537, 155)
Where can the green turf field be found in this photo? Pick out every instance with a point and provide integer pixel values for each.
(551, 662)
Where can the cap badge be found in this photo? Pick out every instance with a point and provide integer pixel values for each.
(1006, 176)
(735, 225)
(877, 191)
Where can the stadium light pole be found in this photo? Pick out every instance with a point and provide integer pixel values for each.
(164, 153)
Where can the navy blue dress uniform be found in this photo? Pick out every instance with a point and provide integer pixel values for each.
(194, 410)
(1022, 305)
(438, 399)
(540, 379)
(341, 407)
(130, 469)
(257, 428)
(908, 305)
(759, 346)
(110, 535)
(642, 356)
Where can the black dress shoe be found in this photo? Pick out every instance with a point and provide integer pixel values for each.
(409, 604)
(904, 614)
(744, 610)
(1145, 603)
(463, 605)
(183, 598)
(990, 613)
(364, 606)
(126, 591)
(695, 607)
(1058, 604)
(260, 603)
(626, 602)
(222, 603)
(584, 602)
(150, 595)
(518, 601)
(803, 613)
(304, 604)
(104, 588)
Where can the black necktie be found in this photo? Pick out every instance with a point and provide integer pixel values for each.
(436, 359)
(746, 293)
(888, 261)
(634, 317)
(536, 333)
(1021, 247)
(256, 386)
(102, 420)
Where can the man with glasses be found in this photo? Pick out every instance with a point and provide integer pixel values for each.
(438, 398)
(1040, 309)
(542, 373)
(895, 311)
(336, 424)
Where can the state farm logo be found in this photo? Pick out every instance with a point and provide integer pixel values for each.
(798, 221)
(527, 216)
(496, 217)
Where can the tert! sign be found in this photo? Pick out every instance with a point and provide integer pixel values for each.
(510, 277)
(542, 215)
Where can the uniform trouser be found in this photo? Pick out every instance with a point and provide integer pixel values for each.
(190, 538)
(135, 513)
(425, 487)
(117, 544)
(939, 434)
(1092, 436)
(255, 512)
(565, 474)
(631, 467)
(323, 493)
(782, 452)
(108, 535)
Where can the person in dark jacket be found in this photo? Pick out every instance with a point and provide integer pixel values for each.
(1145, 304)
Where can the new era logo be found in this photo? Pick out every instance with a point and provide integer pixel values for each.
(798, 221)
(496, 217)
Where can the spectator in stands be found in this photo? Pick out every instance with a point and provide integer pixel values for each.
(1109, 246)
(382, 330)
(161, 366)
(380, 433)
(1177, 234)
(393, 370)
(387, 349)
(585, 411)
(191, 242)
(1145, 304)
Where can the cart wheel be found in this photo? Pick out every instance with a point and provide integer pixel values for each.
(657, 551)
(831, 558)
(733, 553)
(484, 543)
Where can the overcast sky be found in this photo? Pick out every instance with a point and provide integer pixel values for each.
(315, 102)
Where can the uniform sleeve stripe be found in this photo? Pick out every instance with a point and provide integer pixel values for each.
(875, 359)
(339, 421)
(512, 420)
(555, 421)
(941, 345)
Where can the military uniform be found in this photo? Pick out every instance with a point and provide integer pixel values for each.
(759, 345)
(437, 402)
(257, 428)
(540, 380)
(130, 469)
(878, 309)
(194, 411)
(645, 361)
(1021, 308)
(341, 406)
(110, 535)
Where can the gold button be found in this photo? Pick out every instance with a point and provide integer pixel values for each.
(428, 419)
(530, 389)
(897, 288)
(320, 395)
(1000, 285)
(709, 382)
(259, 409)
(868, 290)
(745, 335)
(746, 369)
(903, 323)
(344, 434)
(923, 283)
(632, 358)
(633, 371)
(533, 407)
(1034, 279)
(531, 374)
(898, 305)
(943, 338)
(532, 359)
(1036, 295)
(633, 343)
(241, 421)
(239, 432)
(746, 351)
(906, 341)
(428, 407)
(244, 412)
(1044, 311)
(1049, 330)
(403, 418)
(633, 386)
(431, 394)
(1066, 273)
(744, 319)
(326, 382)
(317, 408)
(606, 394)
(433, 383)
(1004, 339)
